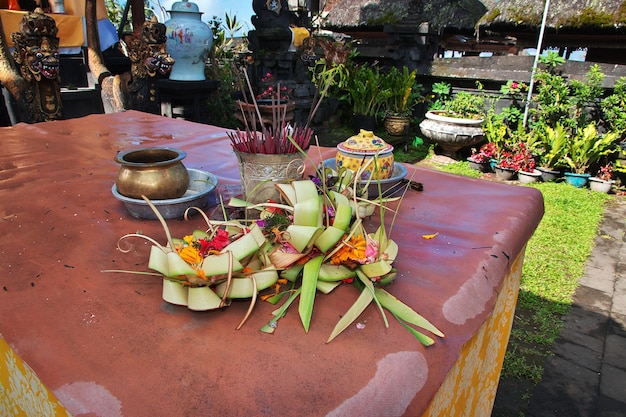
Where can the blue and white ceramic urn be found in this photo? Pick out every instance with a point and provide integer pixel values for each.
(189, 41)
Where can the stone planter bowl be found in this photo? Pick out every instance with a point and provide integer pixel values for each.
(451, 133)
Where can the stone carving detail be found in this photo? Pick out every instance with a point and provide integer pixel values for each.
(271, 20)
(149, 63)
(35, 86)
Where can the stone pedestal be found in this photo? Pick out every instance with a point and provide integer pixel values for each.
(184, 99)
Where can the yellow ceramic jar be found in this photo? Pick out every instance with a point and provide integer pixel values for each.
(357, 150)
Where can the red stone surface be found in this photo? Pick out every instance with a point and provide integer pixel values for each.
(108, 345)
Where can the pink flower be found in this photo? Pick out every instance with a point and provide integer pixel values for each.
(371, 251)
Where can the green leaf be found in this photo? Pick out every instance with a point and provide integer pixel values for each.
(352, 314)
(370, 287)
(292, 272)
(158, 260)
(328, 238)
(404, 312)
(424, 340)
(238, 203)
(326, 287)
(331, 273)
(308, 289)
(279, 313)
(308, 212)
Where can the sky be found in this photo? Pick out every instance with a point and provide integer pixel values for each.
(242, 9)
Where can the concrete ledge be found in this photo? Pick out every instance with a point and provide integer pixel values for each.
(514, 67)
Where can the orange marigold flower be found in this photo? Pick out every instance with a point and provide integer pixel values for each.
(190, 254)
(351, 251)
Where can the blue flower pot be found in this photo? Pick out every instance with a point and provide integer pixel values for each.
(577, 180)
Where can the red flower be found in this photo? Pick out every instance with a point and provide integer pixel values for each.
(219, 242)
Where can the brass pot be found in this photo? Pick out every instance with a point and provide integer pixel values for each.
(156, 173)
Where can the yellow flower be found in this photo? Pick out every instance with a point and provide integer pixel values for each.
(191, 254)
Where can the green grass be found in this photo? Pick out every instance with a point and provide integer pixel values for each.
(554, 261)
(410, 154)
(460, 168)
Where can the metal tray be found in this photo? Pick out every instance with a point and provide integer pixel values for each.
(388, 187)
(201, 185)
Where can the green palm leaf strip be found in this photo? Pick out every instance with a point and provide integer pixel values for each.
(353, 313)
(368, 294)
(370, 287)
(424, 340)
(309, 286)
(404, 312)
(279, 313)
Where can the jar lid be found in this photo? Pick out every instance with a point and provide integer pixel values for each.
(365, 143)
(185, 6)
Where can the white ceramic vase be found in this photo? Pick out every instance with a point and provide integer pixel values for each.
(189, 42)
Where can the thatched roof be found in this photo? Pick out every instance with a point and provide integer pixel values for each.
(465, 14)
(561, 13)
(439, 13)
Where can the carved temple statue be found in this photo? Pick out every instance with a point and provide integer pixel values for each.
(272, 22)
(32, 75)
(150, 62)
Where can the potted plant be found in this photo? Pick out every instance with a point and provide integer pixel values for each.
(550, 145)
(365, 95)
(330, 73)
(507, 166)
(481, 159)
(269, 149)
(526, 172)
(454, 121)
(404, 94)
(270, 99)
(603, 181)
(614, 109)
(518, 159)
(585, 148)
